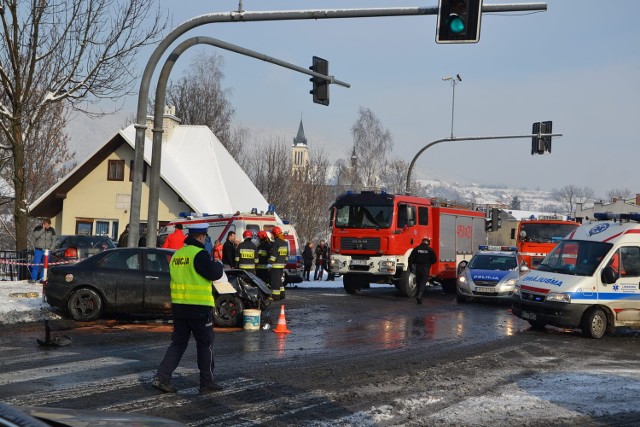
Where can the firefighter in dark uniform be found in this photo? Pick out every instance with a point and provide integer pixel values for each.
(246, 252)
(264, 252)
(192, 271)
(278, 260)
(421, 259)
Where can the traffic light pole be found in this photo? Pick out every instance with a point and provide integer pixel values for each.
(407, 190)
(247, 16)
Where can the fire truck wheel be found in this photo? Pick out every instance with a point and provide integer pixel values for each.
(408, 287)
(449, 286)
(351, 284)
(228, 311)
(594, 323)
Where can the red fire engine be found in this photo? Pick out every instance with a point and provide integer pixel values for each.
(374, 233)
(536, 237)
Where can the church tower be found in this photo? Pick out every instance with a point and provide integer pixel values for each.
(300, 150)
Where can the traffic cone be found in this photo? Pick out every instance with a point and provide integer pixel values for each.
(281, 327)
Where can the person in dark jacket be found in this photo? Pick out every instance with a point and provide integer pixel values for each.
(264, 252)
(421, 259)
(229, 251)
(192, 270)
(44, 237)
(307, 259)
(123, 240)
(321, 260)
(247, 253)
(278, 260)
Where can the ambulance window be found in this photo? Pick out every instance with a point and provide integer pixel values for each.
(423, 215)
(254, 228)
(630, 261)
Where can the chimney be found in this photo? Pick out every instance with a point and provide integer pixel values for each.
(169, 123)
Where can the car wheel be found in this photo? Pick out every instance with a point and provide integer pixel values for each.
(449, 286)
(351, 284)
(408, 286)
(228, 310)
(594, 323)
(85, 305)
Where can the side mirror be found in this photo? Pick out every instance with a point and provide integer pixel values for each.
(608, 276)
(524, 268)
(461, 267)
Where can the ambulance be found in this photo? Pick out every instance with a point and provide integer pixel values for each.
(219, 226)
(591, 280)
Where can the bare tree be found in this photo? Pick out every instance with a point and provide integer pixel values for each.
(200, 99)
(372, 145)
(569, 195)
(619, 193)
(73, 52)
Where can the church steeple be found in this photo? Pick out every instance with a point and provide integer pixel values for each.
(300, 139)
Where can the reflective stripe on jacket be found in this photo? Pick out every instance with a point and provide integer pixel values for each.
(246, 255)
(279, 254)
(187, 286)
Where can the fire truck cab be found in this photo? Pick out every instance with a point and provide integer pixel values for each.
(374, 233)
(536, 237)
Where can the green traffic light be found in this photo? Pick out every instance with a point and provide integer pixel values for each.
(456, 24)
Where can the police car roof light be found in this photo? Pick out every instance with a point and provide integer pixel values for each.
(617, 216)
(254, 211)
(186, 214)
(497, 248)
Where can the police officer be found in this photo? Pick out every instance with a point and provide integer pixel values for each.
(192, 304)
(264, 251)
(278, 260)
(246, 252)
(420, 261)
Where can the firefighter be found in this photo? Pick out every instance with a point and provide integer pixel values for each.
(246, 258)
(420, 261)
(264, 251)
(278, 260)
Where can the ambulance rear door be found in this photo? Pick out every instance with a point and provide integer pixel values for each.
(623, 296)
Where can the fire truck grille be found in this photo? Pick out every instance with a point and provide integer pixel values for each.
(364, 244)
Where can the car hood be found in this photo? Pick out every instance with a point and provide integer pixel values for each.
(491, 275)
(83, 418)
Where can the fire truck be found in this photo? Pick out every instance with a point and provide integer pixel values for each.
(536, 237)
(373, 234)
(219, 226)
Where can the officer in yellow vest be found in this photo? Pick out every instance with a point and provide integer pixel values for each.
(192, 305)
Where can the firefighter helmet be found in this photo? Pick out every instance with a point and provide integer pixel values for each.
(276, 231)
(247, 234)
(262, 235)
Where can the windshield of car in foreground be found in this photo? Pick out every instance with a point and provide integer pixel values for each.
(493, 262)
(364, 216)
(576, 257)
(545, 233)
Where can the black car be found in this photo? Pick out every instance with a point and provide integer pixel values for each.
(73, 248)
(136, 281)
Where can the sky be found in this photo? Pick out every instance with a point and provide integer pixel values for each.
(575, 64)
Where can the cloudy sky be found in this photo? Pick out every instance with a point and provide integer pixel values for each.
(575, 64)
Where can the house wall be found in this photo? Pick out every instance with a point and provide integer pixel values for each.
(95, 199)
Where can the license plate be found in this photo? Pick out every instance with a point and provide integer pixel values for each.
(485, 290)
(527, 315)
(358, 262)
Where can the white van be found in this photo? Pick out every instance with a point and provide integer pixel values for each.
(591, 280)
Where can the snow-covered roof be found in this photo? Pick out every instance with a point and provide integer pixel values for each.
(196, 165)
(520, 215)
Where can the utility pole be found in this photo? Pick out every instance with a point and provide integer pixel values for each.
(454, 82)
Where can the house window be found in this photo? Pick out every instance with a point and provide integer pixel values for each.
(144, 172)
(116, 170)
(84, 227)
(102, 228)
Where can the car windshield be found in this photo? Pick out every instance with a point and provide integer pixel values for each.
(493, 262)
(364, 216)
(545, 233)
(576, 257)
(85, 242)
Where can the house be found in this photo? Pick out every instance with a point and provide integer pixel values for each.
(617, 205)
(197, 175)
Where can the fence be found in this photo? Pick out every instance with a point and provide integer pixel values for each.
(13, 265)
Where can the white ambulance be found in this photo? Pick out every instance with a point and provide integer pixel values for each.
(591, 280)
(219, 226)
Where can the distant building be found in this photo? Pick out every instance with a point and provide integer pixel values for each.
(585, 211)
(300, 151)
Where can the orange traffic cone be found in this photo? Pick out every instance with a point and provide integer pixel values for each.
(281, 327)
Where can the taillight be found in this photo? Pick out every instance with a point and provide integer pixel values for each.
(71, 253)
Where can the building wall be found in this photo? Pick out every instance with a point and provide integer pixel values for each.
(97, 199)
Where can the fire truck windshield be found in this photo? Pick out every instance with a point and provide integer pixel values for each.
(545, 232)
(363, 216)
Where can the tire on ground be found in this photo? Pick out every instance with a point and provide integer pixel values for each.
(594, 323)
(228, 310)
(85, 305)
(407, 284)
(351, 283)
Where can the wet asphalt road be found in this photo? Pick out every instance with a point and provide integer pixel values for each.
(349, 360)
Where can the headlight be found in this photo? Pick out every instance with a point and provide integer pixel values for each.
(511, 282)
(516, 291)
(462, 279)
(387, 264)
(558, 297)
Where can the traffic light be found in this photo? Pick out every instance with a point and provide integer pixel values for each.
(496, 221)
(488, 225)
(458, 21)
(320, 89)
(540, 144)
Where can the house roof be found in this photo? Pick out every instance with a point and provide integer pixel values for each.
(195, 165)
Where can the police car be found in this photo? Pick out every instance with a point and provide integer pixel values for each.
(491, 273)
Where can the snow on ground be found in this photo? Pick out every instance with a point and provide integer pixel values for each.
(22, 301)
